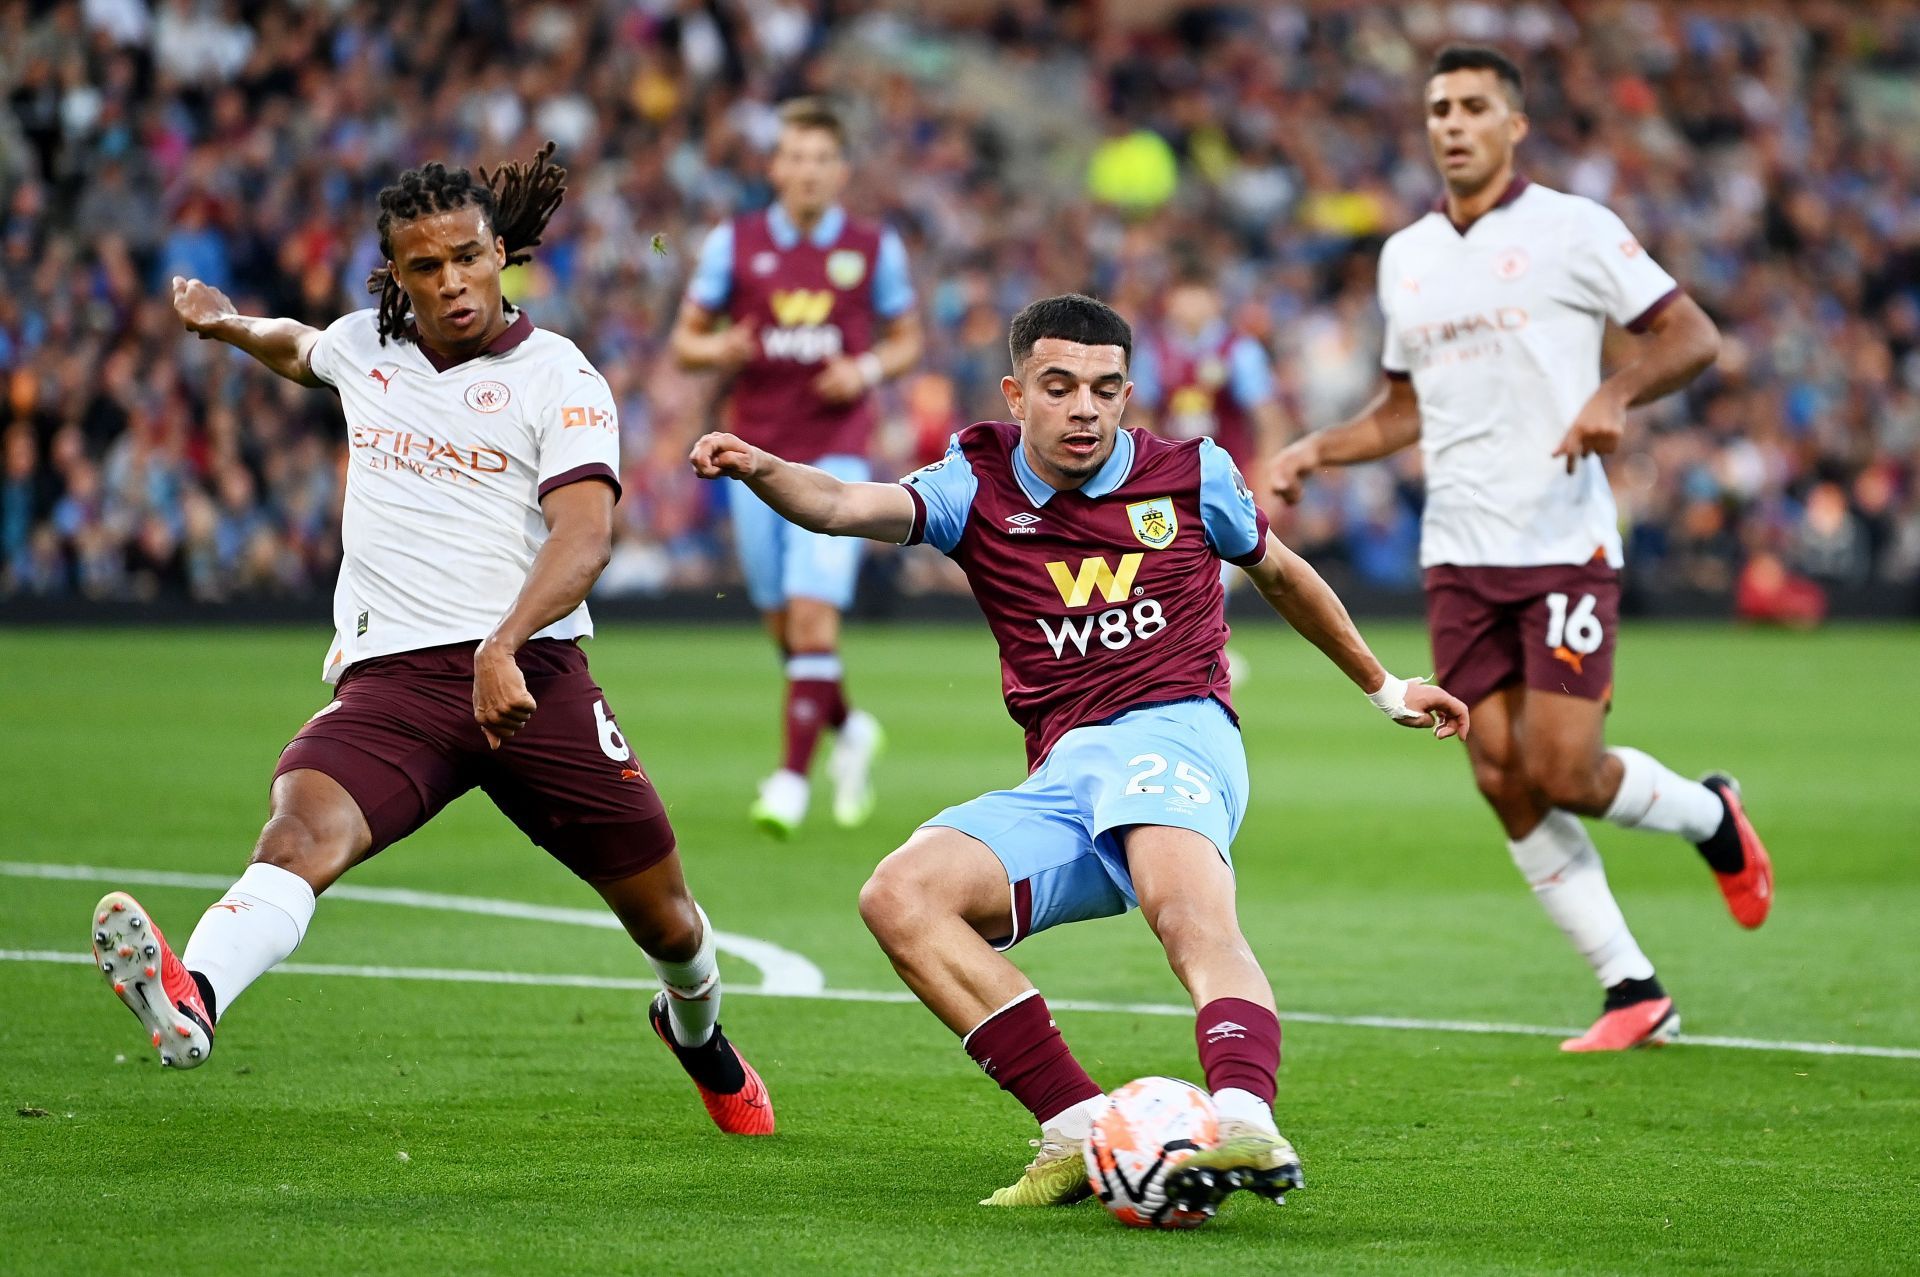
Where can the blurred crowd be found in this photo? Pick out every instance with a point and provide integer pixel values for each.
(1768, 154)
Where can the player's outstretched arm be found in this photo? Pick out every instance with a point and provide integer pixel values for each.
(284, 345)
(1307, 603)
(805, 495)
(579, 542)
(1388, 424)
(1680, 344)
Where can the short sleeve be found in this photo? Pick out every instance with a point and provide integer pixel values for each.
(1613, 274)
(892, 282)
(327, 359)
(942, 499)
(1235, 525)
(1393, 354)
(1250, 373)
(580, 435)
(712, 282)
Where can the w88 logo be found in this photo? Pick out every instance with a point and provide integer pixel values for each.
(1113, 629)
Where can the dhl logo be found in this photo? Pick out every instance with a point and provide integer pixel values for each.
(801, 307)
(1076, 588)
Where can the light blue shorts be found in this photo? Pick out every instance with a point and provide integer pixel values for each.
(782, 561)
(1058, 835)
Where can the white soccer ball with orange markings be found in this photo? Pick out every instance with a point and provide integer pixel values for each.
(1148, 1127)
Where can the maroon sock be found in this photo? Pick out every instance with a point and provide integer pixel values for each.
(811, 705)
(836, 705)
(1020, 1048)
(1239, 1046)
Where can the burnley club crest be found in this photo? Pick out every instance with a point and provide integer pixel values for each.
(1154, 522)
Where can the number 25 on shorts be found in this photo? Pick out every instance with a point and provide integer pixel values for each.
(1578, 631)
(1152, 765)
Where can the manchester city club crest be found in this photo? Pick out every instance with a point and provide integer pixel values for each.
(846, 267)
(1154, 522)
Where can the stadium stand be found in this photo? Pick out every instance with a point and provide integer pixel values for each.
(1763, 151)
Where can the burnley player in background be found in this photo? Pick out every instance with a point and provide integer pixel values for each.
(1201, 377)
(1094, 553)
(1496, 302)
(809, 309)
(481, 478)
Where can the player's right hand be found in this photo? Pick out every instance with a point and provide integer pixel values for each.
(201, 307)
(723, 456)
(1290, 468)
(739, 343)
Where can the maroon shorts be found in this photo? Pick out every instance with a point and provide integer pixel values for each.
(400, 737)
(1550, 627)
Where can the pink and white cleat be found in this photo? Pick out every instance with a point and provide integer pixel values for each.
(1654, 1022)
(139, 963)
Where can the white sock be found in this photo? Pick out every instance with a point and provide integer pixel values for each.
(1652, 797)
(260, 920)
(1563, 866)
(693, 989)
(1072, 1125)
(1233, 1103)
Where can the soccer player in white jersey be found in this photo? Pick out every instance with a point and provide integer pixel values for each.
(1496, 302)
(482, 472)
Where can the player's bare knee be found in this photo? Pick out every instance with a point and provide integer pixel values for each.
(290, 841)
(890, 903)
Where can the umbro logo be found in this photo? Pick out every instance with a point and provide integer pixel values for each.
(1224, 1030)
(1022, 522)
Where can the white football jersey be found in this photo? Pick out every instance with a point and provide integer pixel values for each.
(445, 471)
(1500, 329)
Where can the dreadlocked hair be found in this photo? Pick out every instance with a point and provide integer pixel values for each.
(517, 200)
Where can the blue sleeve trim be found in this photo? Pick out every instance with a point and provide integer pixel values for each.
(892, 281)
(712, 281)
(1250, 373)
(1234, 524)
(943, 499)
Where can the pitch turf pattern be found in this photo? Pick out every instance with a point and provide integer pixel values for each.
(544, 1129)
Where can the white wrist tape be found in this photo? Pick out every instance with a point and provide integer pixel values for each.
(1391, 698)
(870, 368)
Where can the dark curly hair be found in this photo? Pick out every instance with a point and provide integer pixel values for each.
(517, 200)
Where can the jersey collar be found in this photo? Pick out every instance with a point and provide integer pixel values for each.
(516, 332)
(825, 231)
(1516, 186)
(1105, 480)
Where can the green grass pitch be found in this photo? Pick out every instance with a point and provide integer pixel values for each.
(544, 1130)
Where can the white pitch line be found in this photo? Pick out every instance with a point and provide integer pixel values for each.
(781, 970)
(903, 996)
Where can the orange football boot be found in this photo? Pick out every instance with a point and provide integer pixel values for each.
(139, 963)
(1749, 892)
(1653, 1022)
(746, 1109)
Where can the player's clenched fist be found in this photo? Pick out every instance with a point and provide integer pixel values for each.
(501, 702)
(201, 307)
(723, 456)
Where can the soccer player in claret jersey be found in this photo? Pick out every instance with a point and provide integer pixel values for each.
(818, 311)
(1094, 553)
(482, 472)
(1495, 304)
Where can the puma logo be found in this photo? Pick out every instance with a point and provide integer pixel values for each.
(1571, 657)
(384, 378)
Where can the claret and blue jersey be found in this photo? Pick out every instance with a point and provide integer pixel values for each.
(1107, 606)
(1103, 598)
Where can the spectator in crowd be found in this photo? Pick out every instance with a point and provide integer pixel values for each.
(1759, 151)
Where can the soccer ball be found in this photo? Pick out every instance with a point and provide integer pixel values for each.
(1148, 1128)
